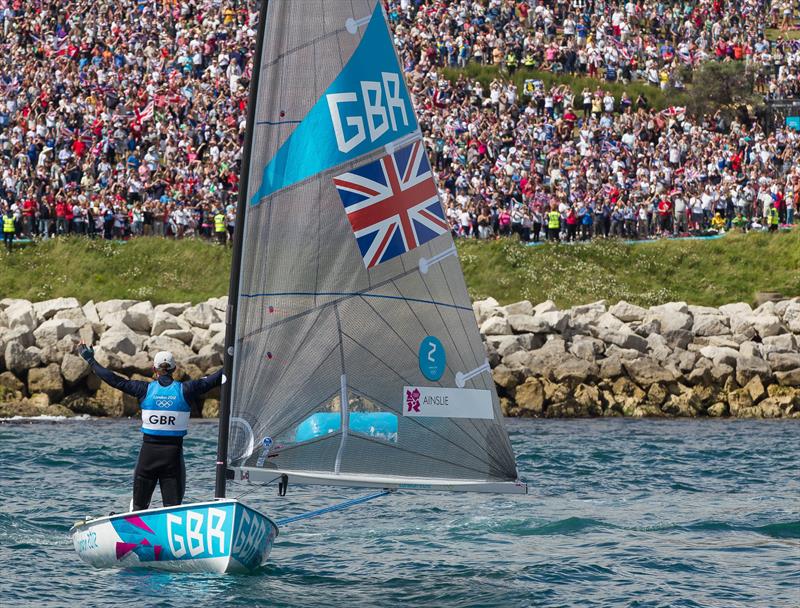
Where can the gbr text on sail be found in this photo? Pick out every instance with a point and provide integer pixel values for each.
(370, 112)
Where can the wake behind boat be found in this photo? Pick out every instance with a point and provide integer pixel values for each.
(351, 346)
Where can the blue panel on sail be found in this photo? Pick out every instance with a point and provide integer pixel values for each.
(366, 107)
(381, 425)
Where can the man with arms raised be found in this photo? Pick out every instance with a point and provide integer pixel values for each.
(166, 405)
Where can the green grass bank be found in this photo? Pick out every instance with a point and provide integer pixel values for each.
(707, 272)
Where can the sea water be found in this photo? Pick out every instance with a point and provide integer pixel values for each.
(620, 513)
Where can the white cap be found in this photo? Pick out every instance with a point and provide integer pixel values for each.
(164, 359)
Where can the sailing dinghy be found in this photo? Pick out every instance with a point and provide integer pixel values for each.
(351, 347)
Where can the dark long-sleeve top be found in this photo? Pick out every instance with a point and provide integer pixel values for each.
(192, 389)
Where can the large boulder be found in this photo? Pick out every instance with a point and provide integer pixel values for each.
(720, 355)
(574, 370)
(74, 368)
(109, 307)
(109, 401)
(52, 331)
(710, 325)
(138, 363)
(737, 308)
(506, 379)
(163, 321)
(789, 378)
(748, 367)
(783, 362)
(586, 347)
(47, 380)
(543, 323)
(54, 353)
(784, 343)
(184, 335)
(76, 315)
(483, 309)
(546, 306)
(9, 383)
(178, 349)
(646, 371)
(518, 308)
(201, 315)
(139, 317)
(791, 317)
(211, 408)
(90, 312)
(625, 339)
(20, 334)
(529, 397)
(20, 314)
(220, 303)
(174, 309)
(626, 312)
(20, 359)
(495, 326)
(678, 338)
(48, 308)
(118, 342)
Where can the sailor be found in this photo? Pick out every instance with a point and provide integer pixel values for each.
(166, 405)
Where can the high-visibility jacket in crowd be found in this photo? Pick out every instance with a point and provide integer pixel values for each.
(219, 223)
(773, 217)
(553, 220)
(8, 224)
(511, 60)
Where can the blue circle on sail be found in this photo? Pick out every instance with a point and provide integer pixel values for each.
(432, 358)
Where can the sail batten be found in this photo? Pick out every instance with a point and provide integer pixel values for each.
(357, 356)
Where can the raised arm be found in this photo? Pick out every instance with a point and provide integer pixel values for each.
(135, 388)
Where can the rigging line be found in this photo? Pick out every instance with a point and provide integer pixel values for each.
(419, 423)
(337, 507)
(301, 47)
(254, 487)
(275, 123)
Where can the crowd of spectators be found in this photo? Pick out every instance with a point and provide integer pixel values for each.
(128, 118)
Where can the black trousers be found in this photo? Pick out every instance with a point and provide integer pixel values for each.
(160, 462)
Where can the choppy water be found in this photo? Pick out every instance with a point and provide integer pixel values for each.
(622, 513)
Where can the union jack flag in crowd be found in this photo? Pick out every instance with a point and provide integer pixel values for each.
(392, 204)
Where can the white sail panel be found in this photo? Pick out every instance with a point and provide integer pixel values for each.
(353, 322)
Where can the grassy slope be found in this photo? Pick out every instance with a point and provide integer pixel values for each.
(700, 272)
(154, 269)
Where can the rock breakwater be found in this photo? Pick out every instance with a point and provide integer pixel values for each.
(624, 360)
(592, 360)
(40, 373)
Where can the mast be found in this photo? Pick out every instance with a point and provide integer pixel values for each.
(238, 239)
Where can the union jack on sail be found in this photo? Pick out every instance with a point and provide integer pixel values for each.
(392, 204)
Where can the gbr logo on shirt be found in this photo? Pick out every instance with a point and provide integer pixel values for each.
(370, 112)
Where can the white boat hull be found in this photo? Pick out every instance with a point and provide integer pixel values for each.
(216, 536)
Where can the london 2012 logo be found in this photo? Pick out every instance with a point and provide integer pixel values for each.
(412, 400)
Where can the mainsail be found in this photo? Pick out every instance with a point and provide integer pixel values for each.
(356, 359)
